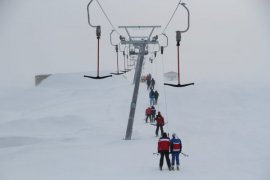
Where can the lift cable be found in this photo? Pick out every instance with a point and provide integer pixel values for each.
(157, 80)
(165, 95)
(172, 16)
(107, 18)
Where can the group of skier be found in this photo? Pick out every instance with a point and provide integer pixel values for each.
(153, 95)
(166, 146)
(150, 81)
(150, 114)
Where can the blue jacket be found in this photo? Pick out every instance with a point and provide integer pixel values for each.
(152, 94)
(153, 110)
(175, 145)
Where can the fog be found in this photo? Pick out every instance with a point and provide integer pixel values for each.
(228, 40)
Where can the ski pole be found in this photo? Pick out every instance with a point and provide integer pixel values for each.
(186, 155)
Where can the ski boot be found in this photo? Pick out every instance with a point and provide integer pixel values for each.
(177, 168)
(172, 168)
(160, 168)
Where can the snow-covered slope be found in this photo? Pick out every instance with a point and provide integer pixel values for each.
(72, 127)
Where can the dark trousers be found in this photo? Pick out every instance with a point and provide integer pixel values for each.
(166, 154)
(148, 116)
(156, 101)
(175, 157)
(161, 129)
(153, 118)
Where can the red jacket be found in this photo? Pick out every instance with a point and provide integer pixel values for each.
(163, 144)
(160, 120)
(148, 111)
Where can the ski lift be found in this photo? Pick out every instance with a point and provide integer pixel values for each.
(178, 39)
(98, 33)
(167, 42)
(116, 49)
(128, 63)
(125, 57)
(125, 69)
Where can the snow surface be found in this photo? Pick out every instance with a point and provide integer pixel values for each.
(71, 127)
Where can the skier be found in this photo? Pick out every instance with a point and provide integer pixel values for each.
(148, 82)
(153, 82)
(153, 114)
(176, 148)
(148, 114)
(160, 123)
(163, 150)
(156, 97)
(152, 97)
(150, 76)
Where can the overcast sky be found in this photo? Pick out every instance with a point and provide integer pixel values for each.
(227, 39)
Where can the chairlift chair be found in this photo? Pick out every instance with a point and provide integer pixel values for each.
(125, 65)
(128, 62)
(98, 33)
(117, 72)
(178, 39)
(116, 50)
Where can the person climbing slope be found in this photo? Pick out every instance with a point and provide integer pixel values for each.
(152, 97)
(163, 150)
(148, 114)
(153, 114)
(152, 84)
(156, 96)
(176, 148)
(159, 123)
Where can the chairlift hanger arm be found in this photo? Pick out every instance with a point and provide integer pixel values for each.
(88, 15)
(167, 40)
(111, 38)
(184, 5)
